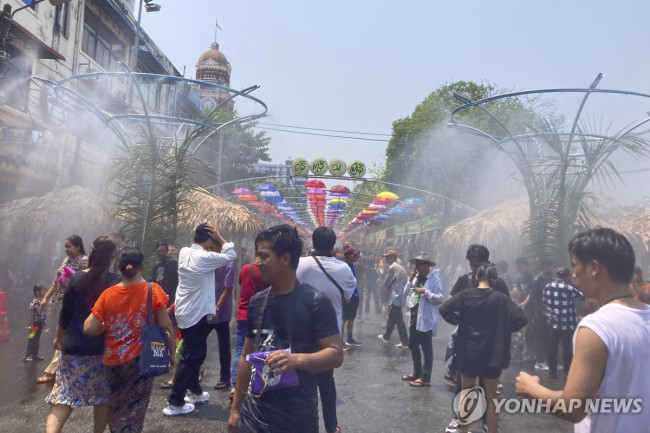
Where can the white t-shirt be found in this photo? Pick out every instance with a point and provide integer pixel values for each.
(310, 273)
(626, 333)
(195, 292)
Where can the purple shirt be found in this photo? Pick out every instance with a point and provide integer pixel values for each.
(224, 277)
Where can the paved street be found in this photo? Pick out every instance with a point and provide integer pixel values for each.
(372, 396)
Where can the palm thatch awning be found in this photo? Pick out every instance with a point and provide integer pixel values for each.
(232, 220)
(498, 228)
(44, 219)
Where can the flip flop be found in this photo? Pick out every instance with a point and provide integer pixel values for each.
(46, 378)
(166, 385)
(409, 377)
(418, 383)
(221, 385)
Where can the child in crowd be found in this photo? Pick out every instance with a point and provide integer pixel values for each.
(36, 324)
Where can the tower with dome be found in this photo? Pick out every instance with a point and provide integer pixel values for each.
(213, 67)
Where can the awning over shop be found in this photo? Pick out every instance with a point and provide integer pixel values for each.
(28, 42)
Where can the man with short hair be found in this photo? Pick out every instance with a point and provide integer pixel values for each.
(288, 315)
(537, 329)
(165, 272)
(195, 308)
(610, 345)
(350, 308)
(559, 298)
(310, 272)
(395, 279)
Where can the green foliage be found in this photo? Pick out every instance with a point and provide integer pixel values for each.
(424, 154)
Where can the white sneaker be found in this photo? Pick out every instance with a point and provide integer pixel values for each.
(196, 398)
(171, 410)
(453, 427)
(541, 366)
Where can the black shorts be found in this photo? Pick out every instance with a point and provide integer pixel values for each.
(478, 370)
(350, 308)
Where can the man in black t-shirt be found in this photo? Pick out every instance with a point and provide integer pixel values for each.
(538, 334)
(295, 317)
(165, 271)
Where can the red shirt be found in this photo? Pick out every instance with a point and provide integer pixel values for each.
(248, 289)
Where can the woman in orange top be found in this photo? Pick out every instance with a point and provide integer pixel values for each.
(121, 311)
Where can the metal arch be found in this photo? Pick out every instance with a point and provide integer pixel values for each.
(83, 102)
(538, 91)
(168, 78)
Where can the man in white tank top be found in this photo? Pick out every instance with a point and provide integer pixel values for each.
(607, 388)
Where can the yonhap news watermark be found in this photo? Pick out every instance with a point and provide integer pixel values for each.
(470, 405)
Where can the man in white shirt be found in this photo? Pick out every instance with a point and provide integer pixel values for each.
(309, 272)
(195, 308)
(608, 370)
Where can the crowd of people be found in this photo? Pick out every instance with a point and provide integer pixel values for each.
(295, 317)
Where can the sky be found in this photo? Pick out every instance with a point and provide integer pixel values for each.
(360, 65)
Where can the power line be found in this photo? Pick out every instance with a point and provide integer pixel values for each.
(323, 135)
(321, 129)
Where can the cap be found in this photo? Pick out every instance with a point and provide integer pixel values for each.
(563, 272)
(422, 257)
(390, 253)
(350, 252)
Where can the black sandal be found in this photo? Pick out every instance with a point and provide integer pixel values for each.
(410, 377)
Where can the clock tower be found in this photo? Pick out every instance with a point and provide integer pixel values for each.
(213, 67)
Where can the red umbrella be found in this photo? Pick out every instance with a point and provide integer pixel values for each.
(340, 189)
(314, 183)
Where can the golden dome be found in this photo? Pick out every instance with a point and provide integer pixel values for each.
(214, 54)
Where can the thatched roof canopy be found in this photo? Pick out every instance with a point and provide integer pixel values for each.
(232, 220)
(498, 228)
(54, 216)
(636, 227)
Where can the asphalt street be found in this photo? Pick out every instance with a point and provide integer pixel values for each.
(371, 395)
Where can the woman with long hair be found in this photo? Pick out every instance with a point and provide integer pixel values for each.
(77, 260)
(121, 311)
(81, 377)
(486, 318)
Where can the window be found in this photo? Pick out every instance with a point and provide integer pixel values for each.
(100, 43)
(61, 13)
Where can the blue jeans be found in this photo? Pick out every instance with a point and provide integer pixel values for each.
(242, 330)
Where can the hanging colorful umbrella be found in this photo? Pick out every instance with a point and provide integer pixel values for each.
(319, 191)
(241, 191)
(381, 200)
(377, 207)
(266, 187)
(413, 201)
(247, 197)
(314, 183)
(270, 193)
(274, 199)
(369, 212)
(339, 189)
(337, 201)
(387, 194)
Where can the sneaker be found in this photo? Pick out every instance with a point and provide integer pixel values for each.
(401, 346)
(499, 386)
(171, 410)
(381, 337)
(346, 348)
(352, 342)
(541, 366)
(450, 379)
(196, 398)
(453, 427)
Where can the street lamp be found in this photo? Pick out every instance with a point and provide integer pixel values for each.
(150, 7)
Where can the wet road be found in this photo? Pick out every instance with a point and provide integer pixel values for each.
(372, 396)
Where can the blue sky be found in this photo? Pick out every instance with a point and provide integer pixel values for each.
(360, 65)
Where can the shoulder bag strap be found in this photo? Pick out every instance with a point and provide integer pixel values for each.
(149, 312)
(329, 276)
(260, 319)
(250, 266)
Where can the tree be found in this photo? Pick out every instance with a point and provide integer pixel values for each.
(424, 154)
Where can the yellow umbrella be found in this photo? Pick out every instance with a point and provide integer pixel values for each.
(369, 212)
(388, 194)
(337, 201)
